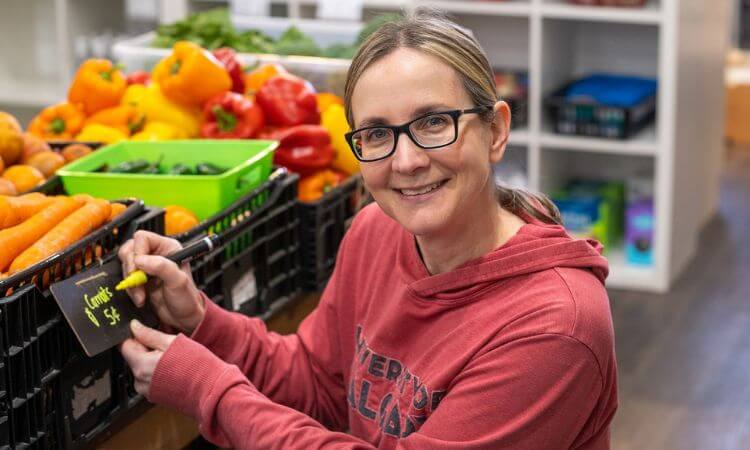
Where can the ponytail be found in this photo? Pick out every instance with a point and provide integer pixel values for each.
(523, 202)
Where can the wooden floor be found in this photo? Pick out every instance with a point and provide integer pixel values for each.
(684, 358)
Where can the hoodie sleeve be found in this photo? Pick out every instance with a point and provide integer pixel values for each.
(534, 393)
(302, 371)
(291, 370)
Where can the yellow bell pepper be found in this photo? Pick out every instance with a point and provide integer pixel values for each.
(334, 121)
(191, 75)
(151, 102)
(96, 132)
(326, 99)
(159, 131)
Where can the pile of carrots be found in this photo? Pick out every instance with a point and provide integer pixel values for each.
(35, 226)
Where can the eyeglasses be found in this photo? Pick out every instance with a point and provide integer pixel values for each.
(431, 131)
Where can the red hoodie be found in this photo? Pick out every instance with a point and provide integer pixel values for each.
(513, 350)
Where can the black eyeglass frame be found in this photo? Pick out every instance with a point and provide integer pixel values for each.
(404, 128)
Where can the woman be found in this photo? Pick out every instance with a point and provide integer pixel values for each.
(459, 315)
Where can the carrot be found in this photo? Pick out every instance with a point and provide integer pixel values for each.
(14, 210)
(83, 197)
(16, 239)
(117, 209)
(78, 224)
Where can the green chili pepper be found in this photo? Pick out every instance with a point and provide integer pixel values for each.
(208, 169)
(153, 168)
(136, 166)
(181, 169)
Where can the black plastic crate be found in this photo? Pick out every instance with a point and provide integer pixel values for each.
(41, 356)
(30, 353)
(323, 224)
(593, 120)
(89, 397)
(261, 263)
(33, 422)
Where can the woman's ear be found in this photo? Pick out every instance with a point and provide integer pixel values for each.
(500, 131)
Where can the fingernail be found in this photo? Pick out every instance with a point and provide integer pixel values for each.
(135, 323)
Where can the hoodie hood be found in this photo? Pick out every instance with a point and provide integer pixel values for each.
(536, 247)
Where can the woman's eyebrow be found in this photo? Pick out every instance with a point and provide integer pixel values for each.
(422, 110)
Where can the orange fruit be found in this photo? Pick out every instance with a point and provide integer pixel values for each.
(7, 188)
(75, 151)
(23, 177)
(178, 219)
(11, 142)
(178, 208)
(47, 162)
(11, 120)
(32, 145)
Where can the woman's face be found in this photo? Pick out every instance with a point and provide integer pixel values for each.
(400, 87)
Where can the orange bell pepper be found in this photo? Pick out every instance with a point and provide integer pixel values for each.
(258, 76)
(125, 118)
(98, 84)
(313, 187)
(61, 121)
(191, 75)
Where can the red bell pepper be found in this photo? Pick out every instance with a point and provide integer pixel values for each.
(304, 149)
(288, 101)
(233, 66)
(231, 116)
(138, 77)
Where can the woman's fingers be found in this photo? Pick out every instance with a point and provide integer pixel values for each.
(148, 243)
(170, 274)
(150, 337)
(132, 351)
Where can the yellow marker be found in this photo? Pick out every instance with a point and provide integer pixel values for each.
(205, 245)
(136, 278)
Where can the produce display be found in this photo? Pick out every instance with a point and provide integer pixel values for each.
(35, 226)
(27, 160)
(213, 29)
(192, 93)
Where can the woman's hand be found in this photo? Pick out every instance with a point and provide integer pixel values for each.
(143, 353)
(171, 289)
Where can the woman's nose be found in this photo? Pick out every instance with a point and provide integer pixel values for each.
(408, 157)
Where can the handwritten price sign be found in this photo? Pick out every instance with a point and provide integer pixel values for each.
(98, 314)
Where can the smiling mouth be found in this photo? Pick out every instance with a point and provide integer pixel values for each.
(412, 192)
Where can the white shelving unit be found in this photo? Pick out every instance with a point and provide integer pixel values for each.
(680, 42)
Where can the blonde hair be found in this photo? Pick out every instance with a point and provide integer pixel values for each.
(429, 31)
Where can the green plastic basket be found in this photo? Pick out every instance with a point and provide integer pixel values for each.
(248, 162)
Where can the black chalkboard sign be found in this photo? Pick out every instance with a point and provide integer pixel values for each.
(98, 314)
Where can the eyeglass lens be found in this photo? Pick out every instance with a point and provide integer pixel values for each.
(431, 131)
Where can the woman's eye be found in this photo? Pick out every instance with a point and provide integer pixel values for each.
(432, 122)
(436, 121)
(376, 134)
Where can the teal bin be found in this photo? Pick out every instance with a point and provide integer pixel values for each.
(248, 164)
